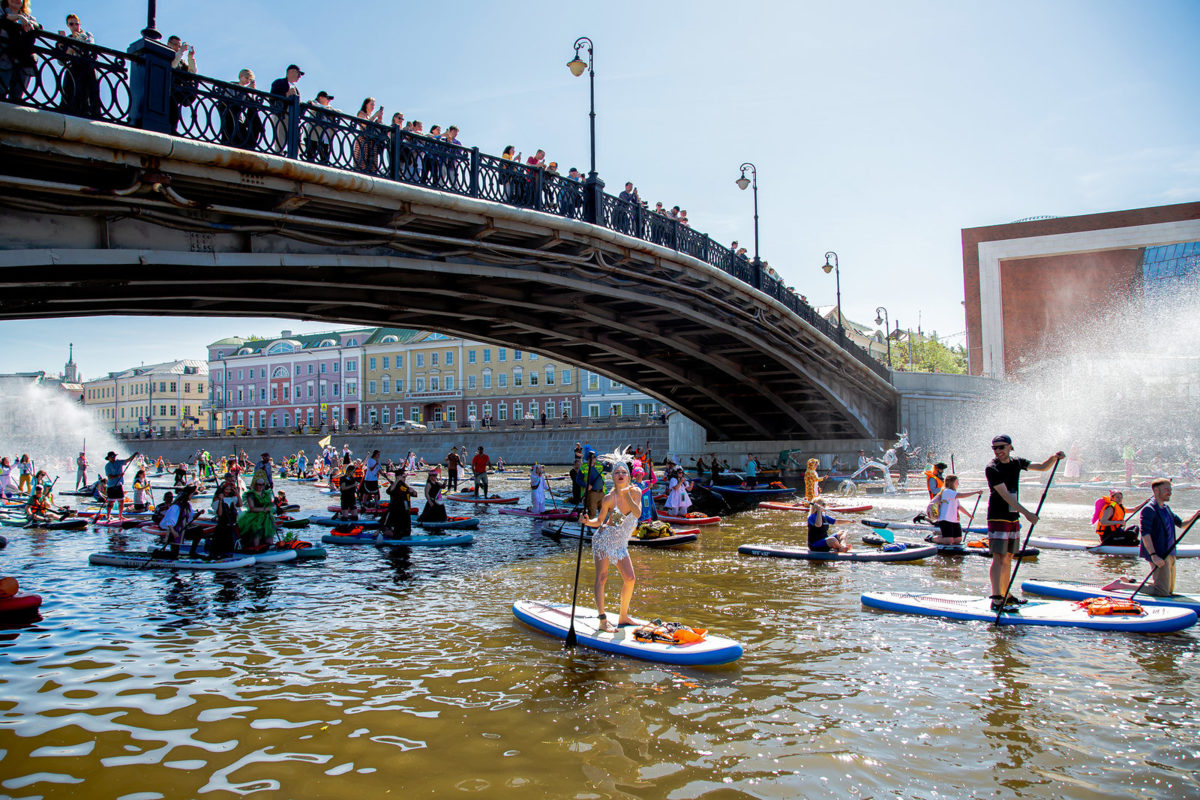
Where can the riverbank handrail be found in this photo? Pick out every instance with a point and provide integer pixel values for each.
(140, 89)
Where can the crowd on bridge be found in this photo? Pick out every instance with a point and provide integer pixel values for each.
(240, 115)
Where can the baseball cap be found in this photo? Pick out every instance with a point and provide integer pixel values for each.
(293, 66)
(322, 93)
(1003, 438)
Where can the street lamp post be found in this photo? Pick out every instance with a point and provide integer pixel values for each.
(593, 186)
(151, 32)
(883, 320)
(838, 275)
(742, 183)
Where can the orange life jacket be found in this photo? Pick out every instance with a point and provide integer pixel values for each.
(1106, 606)
(1118, 515)
(938, 482)
(358, 473)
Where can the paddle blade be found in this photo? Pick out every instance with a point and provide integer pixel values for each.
(570, 640)
(886, 535)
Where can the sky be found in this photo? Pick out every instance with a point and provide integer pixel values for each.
(879, 129)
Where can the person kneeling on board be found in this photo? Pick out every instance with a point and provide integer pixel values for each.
(38, 508)
(176, 521)
(946, 513)
(819, 538)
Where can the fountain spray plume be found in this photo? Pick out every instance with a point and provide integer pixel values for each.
(1128, 375)
(52, 428)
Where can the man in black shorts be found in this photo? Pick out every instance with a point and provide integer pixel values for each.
(1004, 511)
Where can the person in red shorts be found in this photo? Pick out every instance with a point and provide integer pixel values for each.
(1004, 511)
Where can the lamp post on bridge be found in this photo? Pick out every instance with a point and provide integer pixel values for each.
(151, 32)
(887, 334)
(742, 183)
(593, 186)
(838, 275)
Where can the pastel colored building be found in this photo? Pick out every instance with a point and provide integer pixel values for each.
(504, 384)
(413, 375)
(166, 397)
(605, 397)
(289, 381)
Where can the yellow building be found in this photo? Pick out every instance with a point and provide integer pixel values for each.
(158, 397)
(504, 384)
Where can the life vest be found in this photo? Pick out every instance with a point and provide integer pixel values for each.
(358, 473)
(1107, 606)
(37, 506)
(938, 483)
(1118, 515)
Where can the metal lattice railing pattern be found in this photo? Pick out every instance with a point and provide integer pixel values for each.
(91, 81)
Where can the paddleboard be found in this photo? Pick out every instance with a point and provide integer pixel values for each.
(273, 556)
(330, 522)
(964, 549)
(1036, 612)
(1077, 590)
(1094, 546)
(913, 526)
(19, 605)
(700, 520)
(135, 560)
(454, 523)
(804, 507)
(120, 523)
(555, 619)
(468, 498)
(285, 522)
(548, 514)
(746, 493)
(909, 553)
(674, 540)
(61, 525)
(408, 541)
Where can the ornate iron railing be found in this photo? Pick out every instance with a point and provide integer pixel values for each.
(62, 74)
(132, 89)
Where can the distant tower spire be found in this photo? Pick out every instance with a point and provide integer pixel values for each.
(70, 370)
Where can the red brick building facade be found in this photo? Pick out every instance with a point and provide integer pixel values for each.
(1027, 282)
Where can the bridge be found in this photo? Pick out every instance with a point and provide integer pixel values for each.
(130, 189)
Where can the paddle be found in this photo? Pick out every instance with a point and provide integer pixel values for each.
(1021, 553)
(570, 640)
(1170, 550)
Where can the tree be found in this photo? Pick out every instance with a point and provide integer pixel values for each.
(929, 354)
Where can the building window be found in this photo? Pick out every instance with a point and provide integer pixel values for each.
(371, 363)
(593, 410)
(420, 385)
(322, 390)
(414, 413)
(593, 381)
(452, 413)
(487, 356)
(310, 389)
(371, 386)
(449, 358)
(533, 378)
(297, 370)
(502, 411)
(400, 362)
(336, 364)
(518, 377)
(274, 394)
(262, 394)
(240, 377)
(565, 377)
(351, 366)
(285, 394)
(433, 383)
(533, 407)
(549, 374)
(336, 388)
(399, 386)
(502, 354)
(433, 360)
(518, 409)
(615, 384)
(322, 367)
(471, 410)
(448, 382)
(470, 382)
(503, 380)
(516, 355)
(470, 356)
(386, 383)
(386, 362)
(387, 415)
(420, 359)
(487, 379)
(310, 372)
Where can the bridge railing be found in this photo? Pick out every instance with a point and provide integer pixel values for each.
(88, 80)
(84, 80)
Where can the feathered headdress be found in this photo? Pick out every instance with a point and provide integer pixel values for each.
(618, 456)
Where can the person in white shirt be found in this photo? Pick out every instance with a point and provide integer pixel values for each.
(948, 524)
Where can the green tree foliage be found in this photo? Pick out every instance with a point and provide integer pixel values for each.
(928, 354)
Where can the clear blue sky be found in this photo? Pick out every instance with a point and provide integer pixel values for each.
(880, 130)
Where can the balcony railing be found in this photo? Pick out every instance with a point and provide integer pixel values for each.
(141, 90)
(434, 394)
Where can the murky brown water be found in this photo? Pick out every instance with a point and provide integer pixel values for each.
(377, 674)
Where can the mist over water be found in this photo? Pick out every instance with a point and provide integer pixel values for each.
(1129, 374)
(52, 428)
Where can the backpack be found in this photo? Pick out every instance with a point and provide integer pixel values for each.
(934, 509)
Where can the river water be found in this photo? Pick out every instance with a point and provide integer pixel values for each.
(377, 673)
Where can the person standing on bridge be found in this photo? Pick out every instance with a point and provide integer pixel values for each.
(283, 88)
(321, 122)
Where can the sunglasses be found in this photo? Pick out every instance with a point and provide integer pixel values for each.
(1000, 447)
